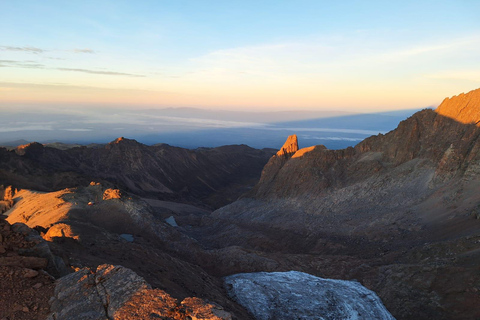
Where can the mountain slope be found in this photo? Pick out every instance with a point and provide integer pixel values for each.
(400, 209)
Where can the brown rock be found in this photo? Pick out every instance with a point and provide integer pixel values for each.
(37, 285)
(2, 249)
(29, 273)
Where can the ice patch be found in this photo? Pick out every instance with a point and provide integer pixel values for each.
(127, 237)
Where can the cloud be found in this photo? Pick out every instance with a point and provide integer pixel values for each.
(35, 65)
(26, 128)
(21, 64)
(110, 73)
(35, 50)
(77, 130)
(86, 50)
(330, 57)
(28, 49)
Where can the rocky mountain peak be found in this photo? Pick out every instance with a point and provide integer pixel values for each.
(120, 139)
(464, 108)
(289, 147)
(33, 147)
(123, 142)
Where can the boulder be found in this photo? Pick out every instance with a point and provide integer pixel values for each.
(116, 292)
(297, 295)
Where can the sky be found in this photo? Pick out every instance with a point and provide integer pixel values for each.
(357, 56)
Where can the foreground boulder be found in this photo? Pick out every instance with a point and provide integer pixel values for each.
(115, 292)
(297, 295)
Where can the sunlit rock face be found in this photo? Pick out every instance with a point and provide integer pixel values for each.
(289, 147)
(297, 295)
(463, 108)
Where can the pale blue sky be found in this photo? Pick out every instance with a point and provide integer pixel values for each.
(271, 55)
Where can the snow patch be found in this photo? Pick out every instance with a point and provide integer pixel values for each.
(171, 221)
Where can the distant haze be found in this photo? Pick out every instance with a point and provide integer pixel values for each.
(192, 128)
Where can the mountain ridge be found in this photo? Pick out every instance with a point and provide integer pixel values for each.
(392, 198)
(202, 176)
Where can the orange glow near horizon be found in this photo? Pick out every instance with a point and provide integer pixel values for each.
(358, 99)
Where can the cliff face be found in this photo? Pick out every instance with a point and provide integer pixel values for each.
(463, 108)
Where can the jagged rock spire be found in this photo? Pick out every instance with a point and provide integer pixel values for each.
(289, 147)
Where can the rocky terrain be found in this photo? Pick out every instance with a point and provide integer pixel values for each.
(211, 177)
(25, 286)
(120, 229)
(399, 213)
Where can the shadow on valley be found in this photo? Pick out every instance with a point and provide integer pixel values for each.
(334, 132)
(193, 128)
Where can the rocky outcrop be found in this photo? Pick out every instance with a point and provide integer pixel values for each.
(33, 148)
(463, 108)
(24, 247)
(274, 166)
(83, 214)
(289, 147)
(111, 194)
(297, 295)
(6, 198)
(115, 292)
